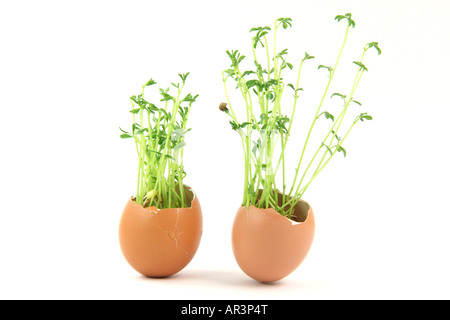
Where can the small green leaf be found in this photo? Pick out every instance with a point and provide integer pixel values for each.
(169, 156)
(348, 17)
(260, 29)
(290, 85)
(343, 96)
(246, 73)
(285, 22)
(184, 76)
(235, 57)
(153, 151)
(261, 32)
(271, 82)
(283, 119)
(270, 96)
(142, 131)
(365, 116)
(194, 98)
(135, 127)
(135, 111)
(152, 108)
(125, 136)
(150, 82)
(165, 95)
(282, 53)
(340, 149)
(229, 72)
(177, 133)
(360, 65)
(330, 69)
(374, 45)
(329, 116)
(188, 97)
(263, 117)
(252, 83)
(134, 99)
(307, 56)
(125, 132)
(328, 148)
(179, 146)
(335, 135)
(234, 125)
(357, 102)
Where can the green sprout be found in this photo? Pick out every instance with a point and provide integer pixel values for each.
(267, 127)
(159, 136)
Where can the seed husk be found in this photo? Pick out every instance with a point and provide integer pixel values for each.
(223, 106)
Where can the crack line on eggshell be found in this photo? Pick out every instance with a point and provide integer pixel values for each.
(172, 236)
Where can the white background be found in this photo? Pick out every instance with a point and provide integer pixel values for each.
(67, 69)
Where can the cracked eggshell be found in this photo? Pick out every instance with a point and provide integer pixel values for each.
(268, 246)
(160, 242)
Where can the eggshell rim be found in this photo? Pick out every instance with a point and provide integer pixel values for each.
(156, 209)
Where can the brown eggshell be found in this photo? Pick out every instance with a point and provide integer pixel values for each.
(268, 246)
(160, 242)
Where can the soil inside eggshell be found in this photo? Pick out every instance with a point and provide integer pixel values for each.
(188, 193)
(300, 211)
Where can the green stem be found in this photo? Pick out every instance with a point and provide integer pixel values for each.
(319, 169)
(318, 110)
(268, 58)
(333, 132)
